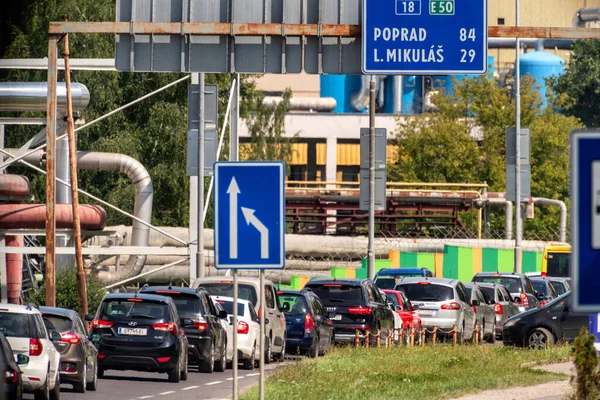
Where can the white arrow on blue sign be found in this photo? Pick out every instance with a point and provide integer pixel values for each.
(424, 37)
(249, 216)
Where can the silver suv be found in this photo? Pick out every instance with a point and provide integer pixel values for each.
(442, 303)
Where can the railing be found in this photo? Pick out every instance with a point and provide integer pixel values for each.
(407, 337)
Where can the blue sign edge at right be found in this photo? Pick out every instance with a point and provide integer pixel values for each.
(363, 63)
(575, 215)
(281, 166)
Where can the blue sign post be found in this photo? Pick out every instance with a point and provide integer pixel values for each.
(249, 215)
(424, 37)
(585, 221)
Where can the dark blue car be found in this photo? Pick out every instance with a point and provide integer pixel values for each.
(387, 278)
(309, 329)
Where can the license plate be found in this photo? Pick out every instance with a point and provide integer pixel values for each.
(338, 317)
(133, 331)
(425, 312)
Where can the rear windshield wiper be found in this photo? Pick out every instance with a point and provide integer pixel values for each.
(430, 299)
(142, 316)
(337, 300)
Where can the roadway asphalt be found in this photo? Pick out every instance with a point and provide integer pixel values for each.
(130, 385)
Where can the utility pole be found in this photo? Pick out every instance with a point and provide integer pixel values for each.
(81, 283)
(518, 215)
(371, 240)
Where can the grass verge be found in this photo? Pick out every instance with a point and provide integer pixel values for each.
(440, 372)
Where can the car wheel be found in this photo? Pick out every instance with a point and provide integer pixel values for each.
(55, 393)
(175, 373)
(93, 385)
(208, 365)
(492, 337)
(281, 356)
(539, 338)
(184, 371)
(268, 352)
(312, 352)
(80, 387)
(248, 364)
(43, 393)
(221, 363)
(461, 335)
(482, 332)
(100, 372)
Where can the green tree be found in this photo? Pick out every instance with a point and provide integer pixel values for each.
(581, 82)
(587, 380)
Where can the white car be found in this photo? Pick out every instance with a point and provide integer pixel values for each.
(225, 324)
(248, 330)
(24, 329)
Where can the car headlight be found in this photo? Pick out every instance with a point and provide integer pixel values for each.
(511, 322)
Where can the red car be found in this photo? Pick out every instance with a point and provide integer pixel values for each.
(403, 307)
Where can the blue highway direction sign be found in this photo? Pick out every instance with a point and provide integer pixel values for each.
(249, 215)
(424, 37)
(585, 206)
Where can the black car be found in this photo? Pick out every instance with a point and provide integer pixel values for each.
(519, 286)
(11, 388)
(140, 332)
(206, 336)
(545, 326)
(561, 285)
(544, 289)
(309, 329)
(352, 304)
(78, 355)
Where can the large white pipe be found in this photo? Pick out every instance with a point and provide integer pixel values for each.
(32, 96)
(322, 104)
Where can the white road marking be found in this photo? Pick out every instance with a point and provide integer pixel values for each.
(256, 374)
(166, 393)
(190, 388)
(239, 377)
(146, 397)
(213, 383)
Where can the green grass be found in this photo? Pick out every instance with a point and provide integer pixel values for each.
(440, 372)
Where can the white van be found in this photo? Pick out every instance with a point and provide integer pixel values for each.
(249, 289)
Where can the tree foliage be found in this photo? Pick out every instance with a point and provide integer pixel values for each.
(463, 140)
(581, 82)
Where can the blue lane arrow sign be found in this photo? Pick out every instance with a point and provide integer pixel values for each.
(249, 215)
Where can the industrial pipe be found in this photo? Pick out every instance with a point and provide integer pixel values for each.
(584, 15)
(33, 216)
(14, 270)
(14, 185)
(509, 43)
(320, 104)
(33, 96)
(508, 214)
(563, 214)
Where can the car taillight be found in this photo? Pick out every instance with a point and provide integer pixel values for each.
(498, 309)
(450, 306)
(524, 300)
(543, 274)
(243, 328)
(474, 309)
(11, 376)
(200, 325)
(165, 327)
(360, 310)
(543, 303)
(102, 324)
(35, 347)
(69, 337)
(309, 322)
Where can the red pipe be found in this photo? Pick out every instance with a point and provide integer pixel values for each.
(14, 185)
(33, 216)
(14, 270)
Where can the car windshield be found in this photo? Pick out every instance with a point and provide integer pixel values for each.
(187, 306)
(393, 298)
(540, 286)
(133, 308)
(389, 281)
(297, 304)
(58, 323)
(488, 292)
(512, 284)
(335, 294)
(426, 291)
(228, 307)
(15, 324)
(559, 287)
(225, 289)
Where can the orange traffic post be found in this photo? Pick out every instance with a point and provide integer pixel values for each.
(423, 333)
(357, 339)
(367, 337)
(476, 334)
(412, 337)
(388, 341)
(454, 335)
(434, 335)
(378, 338)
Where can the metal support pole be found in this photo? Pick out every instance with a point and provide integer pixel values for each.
(234, 329)
(51, 172)
(200, 270)
(371, 241)
(234, 140)
(81, 283)
(3, 274)
(518, 219)
(261, 378)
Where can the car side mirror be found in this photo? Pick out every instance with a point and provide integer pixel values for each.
(398, 308)
(22, 359)
(285, 307)
(222, 314)
(266, 320)
(475, 303)
(186, 322)
(55, 336)
(413, 308)
(517, 299)
(89, 317)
